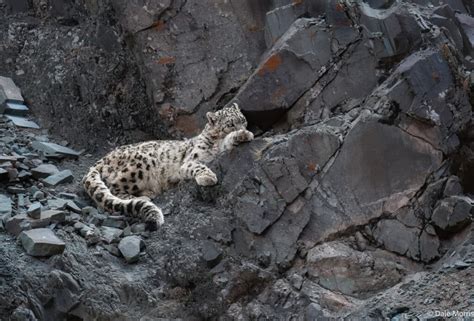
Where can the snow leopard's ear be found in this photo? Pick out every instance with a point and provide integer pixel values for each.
(211, 117)
(236, 106)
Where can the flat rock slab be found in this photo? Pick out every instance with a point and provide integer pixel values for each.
(130, 248)
(5, 205)
(12, 92)
(44, 171)
(41, 242)
(53, 215)
(59, 178)
(34, 211)
(23, 122)
(54, 150)
(16, 109)
(110, 234)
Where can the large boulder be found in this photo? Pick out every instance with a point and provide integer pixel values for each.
(340, 268)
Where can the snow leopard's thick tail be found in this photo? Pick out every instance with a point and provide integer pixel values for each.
(137, 207)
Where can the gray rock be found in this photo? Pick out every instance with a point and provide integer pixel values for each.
(44, 170)
(112, 249)
(114, 221)
(453, 186)
(62, 177)
(429, 247)
(110, 234)
(54, 150)
(398, 238)
(130, 247)
(23, 122)
(346, 196)
(314, 312)
(16, 190)
(393, 32)
(11, 91)
(41, 242)
(211, 253)
(466, 23)
(39, 195)
(16, 224)
(289, 69)
(16, 109)
(53, 216)
(34, 211)
(452, 214)
(277, 21)
(340, 268)
(69, 196)
(23, 314)
(5, 205)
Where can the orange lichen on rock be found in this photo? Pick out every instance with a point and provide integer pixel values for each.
(166, 60)
(270, 65)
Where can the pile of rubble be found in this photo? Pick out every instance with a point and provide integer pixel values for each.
(32, 205)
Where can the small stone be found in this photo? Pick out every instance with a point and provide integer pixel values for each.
(296, 281)
(59, 178)
(112, 249)
(34, 211)
(110, 234)
(74, 217)
(39, 195)
(96, 218)
(127, 231)
(114, 221)
(41, 242)
(12, 174)
(69, 196)
(89, 210)
(313, 312)
(11, 91)
(211, 253)
(79, 225)
(16, 109)
(130, 248)
(461, 265)
(16, 190)
(54, 150)
(5, 205)
(23, 122)
(57, 203)
(53, 216)
(44, 170)
(16, 224)
(72, 206)
(24, 174)
(21, 200)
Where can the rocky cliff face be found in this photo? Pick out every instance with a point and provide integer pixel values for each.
(354, 200)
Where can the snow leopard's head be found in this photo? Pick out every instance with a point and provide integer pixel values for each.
(226, 120)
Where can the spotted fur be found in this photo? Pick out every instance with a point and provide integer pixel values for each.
(125, 179)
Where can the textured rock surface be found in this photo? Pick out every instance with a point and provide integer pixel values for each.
(41, 242)
(354, 200)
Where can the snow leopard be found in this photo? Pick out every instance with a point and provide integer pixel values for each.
(126, 179)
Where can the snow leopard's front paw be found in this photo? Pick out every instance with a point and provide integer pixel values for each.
(206, 178)
(243, 135)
